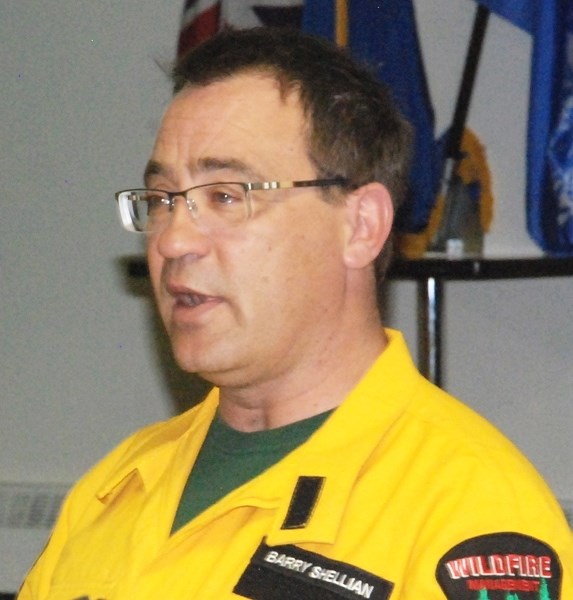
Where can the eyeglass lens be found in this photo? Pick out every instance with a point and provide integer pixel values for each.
(214, 205)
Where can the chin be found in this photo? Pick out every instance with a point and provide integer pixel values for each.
(216, 358)
(207, 363)
(221, 373)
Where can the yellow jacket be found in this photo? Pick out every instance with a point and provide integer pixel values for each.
(404, 493)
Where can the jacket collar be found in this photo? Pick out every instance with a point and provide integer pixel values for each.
(347, 439)
(338, 451)
(153, 449)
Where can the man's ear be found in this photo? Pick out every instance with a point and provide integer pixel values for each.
(370, 216)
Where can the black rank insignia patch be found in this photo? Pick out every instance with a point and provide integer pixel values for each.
(291, 573)
(500, 566)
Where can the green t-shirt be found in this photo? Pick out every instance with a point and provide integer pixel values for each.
(229, 458)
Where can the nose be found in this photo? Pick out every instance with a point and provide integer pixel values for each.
(182, 234)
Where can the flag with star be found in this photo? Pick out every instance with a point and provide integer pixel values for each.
(202, 18)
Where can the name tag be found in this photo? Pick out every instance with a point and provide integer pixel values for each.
(288, 572)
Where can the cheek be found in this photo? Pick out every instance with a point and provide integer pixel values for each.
(295, 269)
(153, 260)
(155, 266)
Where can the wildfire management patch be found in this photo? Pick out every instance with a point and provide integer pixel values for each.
(500, 566)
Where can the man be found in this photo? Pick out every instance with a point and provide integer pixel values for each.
(322, 465)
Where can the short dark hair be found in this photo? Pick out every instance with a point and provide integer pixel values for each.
(355, 130)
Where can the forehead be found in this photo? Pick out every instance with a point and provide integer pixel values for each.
(244, 119)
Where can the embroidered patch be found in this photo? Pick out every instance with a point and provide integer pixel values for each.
(500, 566)
(290, 573)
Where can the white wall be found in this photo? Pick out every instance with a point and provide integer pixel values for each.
(81, 98)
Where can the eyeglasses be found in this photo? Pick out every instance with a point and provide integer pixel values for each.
(216, 205)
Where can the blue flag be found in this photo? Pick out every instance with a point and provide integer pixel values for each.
(550, 127)
(519, 12)
(384, 35)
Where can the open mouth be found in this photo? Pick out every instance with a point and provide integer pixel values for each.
(191, 300)
(186, 298)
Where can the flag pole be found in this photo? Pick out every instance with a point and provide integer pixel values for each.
(468, 82)
(341, 20)
(453, 153)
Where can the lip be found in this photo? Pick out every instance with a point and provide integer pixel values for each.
(189, 303)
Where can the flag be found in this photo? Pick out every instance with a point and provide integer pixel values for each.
(472, 173)
(202, 18)
(384, 35)
(199, 21)
(519, 12)
(550, 122)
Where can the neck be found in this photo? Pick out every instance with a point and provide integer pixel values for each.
(311, 388)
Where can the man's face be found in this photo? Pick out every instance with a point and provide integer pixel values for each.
(254, 301)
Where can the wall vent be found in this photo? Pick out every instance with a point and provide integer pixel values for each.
(30, 505)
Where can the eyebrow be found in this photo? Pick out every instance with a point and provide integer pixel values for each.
(205, 165)
(153, 168)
